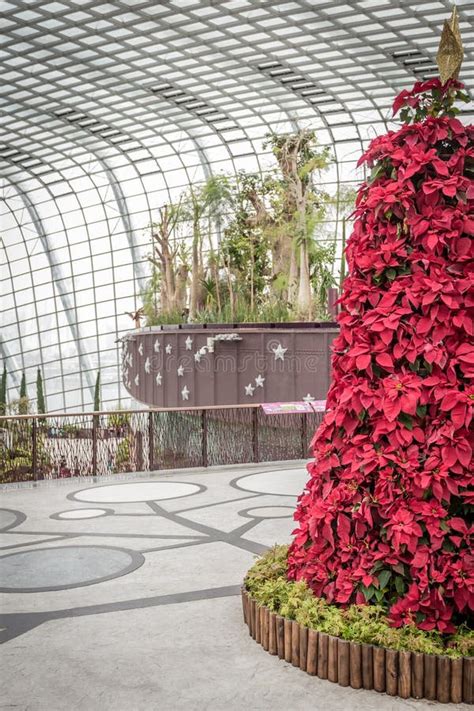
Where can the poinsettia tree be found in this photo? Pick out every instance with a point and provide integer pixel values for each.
(384, 517)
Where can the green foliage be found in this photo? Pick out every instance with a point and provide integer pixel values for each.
(40, 403)
(97, 393)
(118, 419)
(265, 228)
(267, 583)
(3, 392)
(122, 456)
(23, 402)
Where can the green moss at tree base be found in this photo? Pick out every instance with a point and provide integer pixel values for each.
(267, 583)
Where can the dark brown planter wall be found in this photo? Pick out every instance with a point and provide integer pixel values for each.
(402, 674)
(160, 368)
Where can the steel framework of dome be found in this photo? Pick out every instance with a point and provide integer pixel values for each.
(112, 109)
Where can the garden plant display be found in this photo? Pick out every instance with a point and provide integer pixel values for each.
(384, 518)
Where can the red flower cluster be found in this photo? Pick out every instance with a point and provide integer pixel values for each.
(384, 516)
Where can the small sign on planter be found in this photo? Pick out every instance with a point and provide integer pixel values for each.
(318, 405)
(283, 408)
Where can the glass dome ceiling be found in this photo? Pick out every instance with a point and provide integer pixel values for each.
(112, 109)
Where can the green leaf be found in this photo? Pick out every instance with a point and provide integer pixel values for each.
(379, 595)
(421, 410)
(384, 577)
(406, 420)
(399, 585)
(368, 593)
(391, 273)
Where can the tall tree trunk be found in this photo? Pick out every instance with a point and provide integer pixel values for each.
(304, 298)
(196, 269)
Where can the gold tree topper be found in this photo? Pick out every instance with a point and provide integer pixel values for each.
(450, 51)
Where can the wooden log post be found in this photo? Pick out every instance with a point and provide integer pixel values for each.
(332, 658)
(303, 648)
(312, 654)
(456, 681)
(295, 643)
(280, 635)
(429, 682)
(443, 680)
(288, 640)
(264, 617)
(378, 654)
(251, 611)
(244, 606)
(323, 642)
(404, 674)
(367, 666)
(468, 680)
(391, 672)
(343, 662)
(258, 631)
(272, 634)
(355, 665)
(417, 674)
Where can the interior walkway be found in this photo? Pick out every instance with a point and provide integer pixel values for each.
(123, 594)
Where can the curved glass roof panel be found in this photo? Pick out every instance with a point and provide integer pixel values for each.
(112, 109)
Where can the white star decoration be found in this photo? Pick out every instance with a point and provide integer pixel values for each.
(259, 381)
(125, 375)
(140, 348)
(158, 378)
(185, 393)
(169, 348)
(279, 352)
(309, 398)
(180, 371)
(137, 379)
(147, 365)
(189, 343)
(197, 357)
(249, 389)
(130, 359)
(156, 346)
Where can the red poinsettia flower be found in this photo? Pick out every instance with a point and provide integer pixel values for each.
(401, 394)
(392, 475)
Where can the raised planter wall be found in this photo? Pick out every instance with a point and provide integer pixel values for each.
(360, 666)
(194, 365)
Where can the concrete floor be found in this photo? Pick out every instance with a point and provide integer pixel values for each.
(124, 594)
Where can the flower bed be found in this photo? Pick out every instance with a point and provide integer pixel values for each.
(353, 646)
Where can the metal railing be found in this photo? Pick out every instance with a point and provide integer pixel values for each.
(34, 447)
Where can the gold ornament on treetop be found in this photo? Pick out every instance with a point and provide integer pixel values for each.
(450, 51)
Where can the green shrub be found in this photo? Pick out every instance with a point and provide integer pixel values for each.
(267, 583)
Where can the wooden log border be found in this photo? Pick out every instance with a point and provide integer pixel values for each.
(403, 674)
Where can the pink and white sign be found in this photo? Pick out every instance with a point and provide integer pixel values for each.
(318, 405)
(283, 408)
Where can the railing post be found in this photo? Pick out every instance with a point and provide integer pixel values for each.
(34, 450)
(304, 435)
(204, 438)
(94, 444)
(255, 433)
(151, 442)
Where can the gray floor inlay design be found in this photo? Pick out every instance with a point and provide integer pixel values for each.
(79, 514)
(69, 565)
(126, 492)
(10, 519)
(63, 567)
(169, 634)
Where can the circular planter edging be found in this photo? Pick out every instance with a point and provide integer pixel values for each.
(361, 666)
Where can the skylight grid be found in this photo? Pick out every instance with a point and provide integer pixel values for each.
(81, 99)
